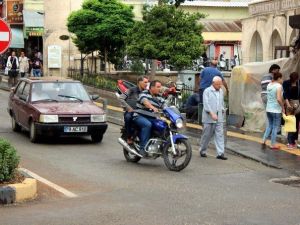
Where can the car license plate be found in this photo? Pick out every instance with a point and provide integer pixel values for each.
(75, 129)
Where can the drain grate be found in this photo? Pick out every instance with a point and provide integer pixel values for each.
(290, 181)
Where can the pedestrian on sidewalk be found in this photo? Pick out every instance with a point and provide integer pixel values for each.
(24, 64)
(213, 118)
(13, 67)
(266, 79)
(37, 66)
(207, 76)
(290, 127)
(274, 109)
(291, 95)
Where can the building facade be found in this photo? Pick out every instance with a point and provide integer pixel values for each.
(222, 28)
(266, 32)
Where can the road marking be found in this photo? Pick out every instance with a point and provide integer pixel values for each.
(49, 183)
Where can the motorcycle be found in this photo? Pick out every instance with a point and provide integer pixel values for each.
(165, 142)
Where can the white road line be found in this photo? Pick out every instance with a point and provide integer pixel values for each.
(49, 183)
(4, 36)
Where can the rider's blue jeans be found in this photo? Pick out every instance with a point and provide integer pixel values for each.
(128, 116)
(145, 125)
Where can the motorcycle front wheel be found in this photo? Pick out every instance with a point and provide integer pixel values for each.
(182, 158)
(131, 157)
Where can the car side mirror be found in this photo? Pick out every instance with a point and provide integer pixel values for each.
(12, 89)
(23, 97)
(94, 97)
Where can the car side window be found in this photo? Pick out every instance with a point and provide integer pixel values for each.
(20, 89)
(26, 90)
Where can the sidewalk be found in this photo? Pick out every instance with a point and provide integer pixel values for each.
(238, 142)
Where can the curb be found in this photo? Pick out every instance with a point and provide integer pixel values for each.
(16, 193)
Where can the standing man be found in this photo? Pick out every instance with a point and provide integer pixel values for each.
(13, 66)
(207, 76)
(128, 101)
(213, 118)
(266, 79)
(24, 64)
(37, 66)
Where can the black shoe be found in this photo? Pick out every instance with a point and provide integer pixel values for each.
(203, 155)
(221, 157)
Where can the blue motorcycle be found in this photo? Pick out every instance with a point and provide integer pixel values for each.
(165, 141)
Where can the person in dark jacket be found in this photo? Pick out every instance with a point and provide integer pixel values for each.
(128, 101)
(191, 106)
(291, 92)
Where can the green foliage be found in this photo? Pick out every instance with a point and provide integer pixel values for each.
(101, 25)
(9, 160)
(137, 67)
(167, 33)
(97, 81)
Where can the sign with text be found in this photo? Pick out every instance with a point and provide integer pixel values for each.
(273, 6)
(54, 56)
(14, 10)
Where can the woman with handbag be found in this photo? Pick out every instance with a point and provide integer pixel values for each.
(274, 109)
(291, 95)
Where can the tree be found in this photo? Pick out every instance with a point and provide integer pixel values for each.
(101, 25)
(167, 33)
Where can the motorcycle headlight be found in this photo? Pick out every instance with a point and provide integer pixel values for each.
(98, 118)
(179, 123)
(48, 118)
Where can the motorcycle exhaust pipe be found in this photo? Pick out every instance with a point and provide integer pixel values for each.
(128, 148)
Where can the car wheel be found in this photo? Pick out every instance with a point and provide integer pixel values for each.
(14, 125)
(96, 138)
(32, 133)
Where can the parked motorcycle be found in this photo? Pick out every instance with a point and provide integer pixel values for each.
(165, 142)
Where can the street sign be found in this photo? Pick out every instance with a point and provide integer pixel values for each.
(5, 36)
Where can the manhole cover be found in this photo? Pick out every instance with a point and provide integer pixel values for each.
(290, 181)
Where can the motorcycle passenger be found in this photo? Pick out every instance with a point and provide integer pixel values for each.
(149, 102)
(128, 101)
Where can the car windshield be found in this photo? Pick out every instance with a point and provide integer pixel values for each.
(59, 92)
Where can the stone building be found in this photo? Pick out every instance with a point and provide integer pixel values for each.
(267, 33)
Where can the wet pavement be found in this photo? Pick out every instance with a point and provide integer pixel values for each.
(238, 142)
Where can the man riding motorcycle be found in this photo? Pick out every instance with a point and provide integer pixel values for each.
(149, 102)
(128, 101)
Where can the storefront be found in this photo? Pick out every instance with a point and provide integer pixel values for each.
(33, 31)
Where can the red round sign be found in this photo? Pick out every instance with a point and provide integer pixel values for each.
(5, 36)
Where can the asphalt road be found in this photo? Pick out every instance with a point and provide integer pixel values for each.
(112, 191)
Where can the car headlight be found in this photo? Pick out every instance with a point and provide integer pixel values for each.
(98, 118)
(48, 118)
(179, 123)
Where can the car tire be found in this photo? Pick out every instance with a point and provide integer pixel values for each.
(96, 138)
(33, 133)
(14, 125)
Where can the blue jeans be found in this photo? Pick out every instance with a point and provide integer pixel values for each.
(274, 120)
(128, 116)
(36, 72)
(145, 125)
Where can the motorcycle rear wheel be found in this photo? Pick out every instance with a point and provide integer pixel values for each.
(131, 157)
(183, 149)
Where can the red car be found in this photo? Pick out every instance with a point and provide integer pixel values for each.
(56, 107)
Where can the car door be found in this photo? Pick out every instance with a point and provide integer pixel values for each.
(15, 100)
(24, 109)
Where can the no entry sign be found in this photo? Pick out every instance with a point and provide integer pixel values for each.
(5, 36)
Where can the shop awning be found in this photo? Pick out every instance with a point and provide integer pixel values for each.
(222, 36)
(17, 39)
(221, 25)
(33, 23)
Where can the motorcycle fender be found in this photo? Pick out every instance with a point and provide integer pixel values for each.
(179, 136)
